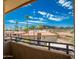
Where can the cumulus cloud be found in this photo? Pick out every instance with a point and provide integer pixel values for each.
(67, 4)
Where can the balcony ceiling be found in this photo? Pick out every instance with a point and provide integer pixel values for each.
(10, 5)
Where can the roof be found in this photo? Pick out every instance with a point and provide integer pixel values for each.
(14, 4)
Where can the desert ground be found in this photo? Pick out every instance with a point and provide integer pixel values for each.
(58, 35)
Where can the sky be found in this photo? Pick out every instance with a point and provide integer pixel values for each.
(46, 12)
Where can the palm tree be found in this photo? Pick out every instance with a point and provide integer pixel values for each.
(20, 28)
(40, 27)
(16, 26)
(27, 17)
(33, 27)
(25, 29)
(27, 21)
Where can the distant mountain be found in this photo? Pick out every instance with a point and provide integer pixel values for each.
(47, 26)
(54, 27)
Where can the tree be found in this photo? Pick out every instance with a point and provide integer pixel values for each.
(40, 27)
(16, 26)
(26, 29)
(33, 27)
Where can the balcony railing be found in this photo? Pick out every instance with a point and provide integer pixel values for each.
(45, 44)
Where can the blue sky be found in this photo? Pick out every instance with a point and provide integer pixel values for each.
(46, 12)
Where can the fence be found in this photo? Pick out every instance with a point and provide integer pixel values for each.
(44, 44)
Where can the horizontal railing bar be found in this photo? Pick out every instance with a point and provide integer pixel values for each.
(34, 44)
(59, 48)
(38, 43)
(47, 41)
(56, 48)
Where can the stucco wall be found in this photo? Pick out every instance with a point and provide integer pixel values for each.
(6, 48)
(21, 51)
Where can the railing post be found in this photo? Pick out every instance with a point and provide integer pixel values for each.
(67, 47)
(38, 42)
(10, 36)
(49, 46)
(16, 39)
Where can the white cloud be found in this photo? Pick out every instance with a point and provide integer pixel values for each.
(36, 21)
(67, 4)
(45, 14)
(12, 21)
(71, 13)
(42, 13)
(22, 22)
(27, 5)
(30, 17)
(50, 16)
(70, 7)
(55, 18)
(25, 23)
(62, 1)
(38, 18)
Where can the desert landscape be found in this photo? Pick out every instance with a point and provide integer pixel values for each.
(62, 35)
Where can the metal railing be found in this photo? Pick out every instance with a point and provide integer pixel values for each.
(44, 44)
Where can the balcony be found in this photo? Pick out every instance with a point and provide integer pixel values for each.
(20, 48)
